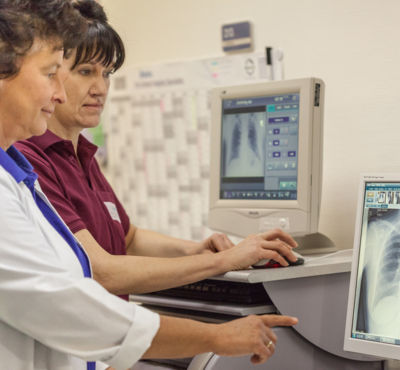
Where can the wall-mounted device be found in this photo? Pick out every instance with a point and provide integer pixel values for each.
(237, 37)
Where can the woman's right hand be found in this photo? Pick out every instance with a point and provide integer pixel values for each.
(252, 334)
(274, 244)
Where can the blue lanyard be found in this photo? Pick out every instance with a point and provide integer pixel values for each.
(55, 221)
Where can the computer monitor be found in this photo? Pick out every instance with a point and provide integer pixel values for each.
(266, 160)
(373, 314)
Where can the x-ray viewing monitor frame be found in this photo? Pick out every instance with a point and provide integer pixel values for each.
(369, 322)
(298, 216)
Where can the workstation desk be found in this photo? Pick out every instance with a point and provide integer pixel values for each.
(315, 292)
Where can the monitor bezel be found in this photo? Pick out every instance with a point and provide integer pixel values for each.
(368, 348)
(305, 162)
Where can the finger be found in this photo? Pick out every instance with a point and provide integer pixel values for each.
(271, 348)
(256, 359)
(220, 242)
(226, 243)
(270, 345)
(229, 242)
(272, 252)
(281, 247)
(270, 336)
(279, 320)
(279, 234)
(262, 354)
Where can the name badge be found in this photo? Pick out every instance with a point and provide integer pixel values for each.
(112, 210)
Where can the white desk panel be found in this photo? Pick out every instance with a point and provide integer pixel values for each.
(315, 265)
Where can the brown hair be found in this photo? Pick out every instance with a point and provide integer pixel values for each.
(101, 43)
(23, 21)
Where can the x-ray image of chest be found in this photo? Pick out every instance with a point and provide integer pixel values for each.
(379, 297)
(243, 145)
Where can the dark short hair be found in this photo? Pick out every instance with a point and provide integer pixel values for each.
(23, 21)
(101, 43)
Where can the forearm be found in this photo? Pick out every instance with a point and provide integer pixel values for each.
(152, 244)
(137, 274)
(179, 338)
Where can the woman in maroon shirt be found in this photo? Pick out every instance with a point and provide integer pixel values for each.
(125, 258)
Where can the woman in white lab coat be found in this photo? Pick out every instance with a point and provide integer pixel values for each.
(44, 273)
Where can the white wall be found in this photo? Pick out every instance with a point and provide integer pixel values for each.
(352, 44)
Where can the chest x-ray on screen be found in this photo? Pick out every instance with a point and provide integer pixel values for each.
(377, 314)
(244, 145)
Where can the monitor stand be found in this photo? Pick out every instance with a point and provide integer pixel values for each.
(316, 243)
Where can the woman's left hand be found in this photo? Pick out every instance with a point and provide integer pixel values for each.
(215, 243)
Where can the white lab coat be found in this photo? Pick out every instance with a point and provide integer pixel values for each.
(48, 310)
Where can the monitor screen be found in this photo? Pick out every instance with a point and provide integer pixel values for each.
(373, 317)
(260, 141)
(266, 157)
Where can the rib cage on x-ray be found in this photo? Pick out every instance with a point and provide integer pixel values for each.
(384, 272)
(389, 265)
(244, 142)
(235, 145)
(252, 136)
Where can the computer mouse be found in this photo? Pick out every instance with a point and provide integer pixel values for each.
(270, 263)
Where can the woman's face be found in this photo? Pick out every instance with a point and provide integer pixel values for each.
(28, 99)
(86, 87)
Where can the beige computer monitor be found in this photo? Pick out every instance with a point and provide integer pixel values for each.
(266, 159)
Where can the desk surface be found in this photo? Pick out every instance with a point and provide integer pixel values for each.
(331, 263)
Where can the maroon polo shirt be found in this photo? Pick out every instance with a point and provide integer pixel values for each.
(77, 189)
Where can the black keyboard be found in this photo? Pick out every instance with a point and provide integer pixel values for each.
(220, 291)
